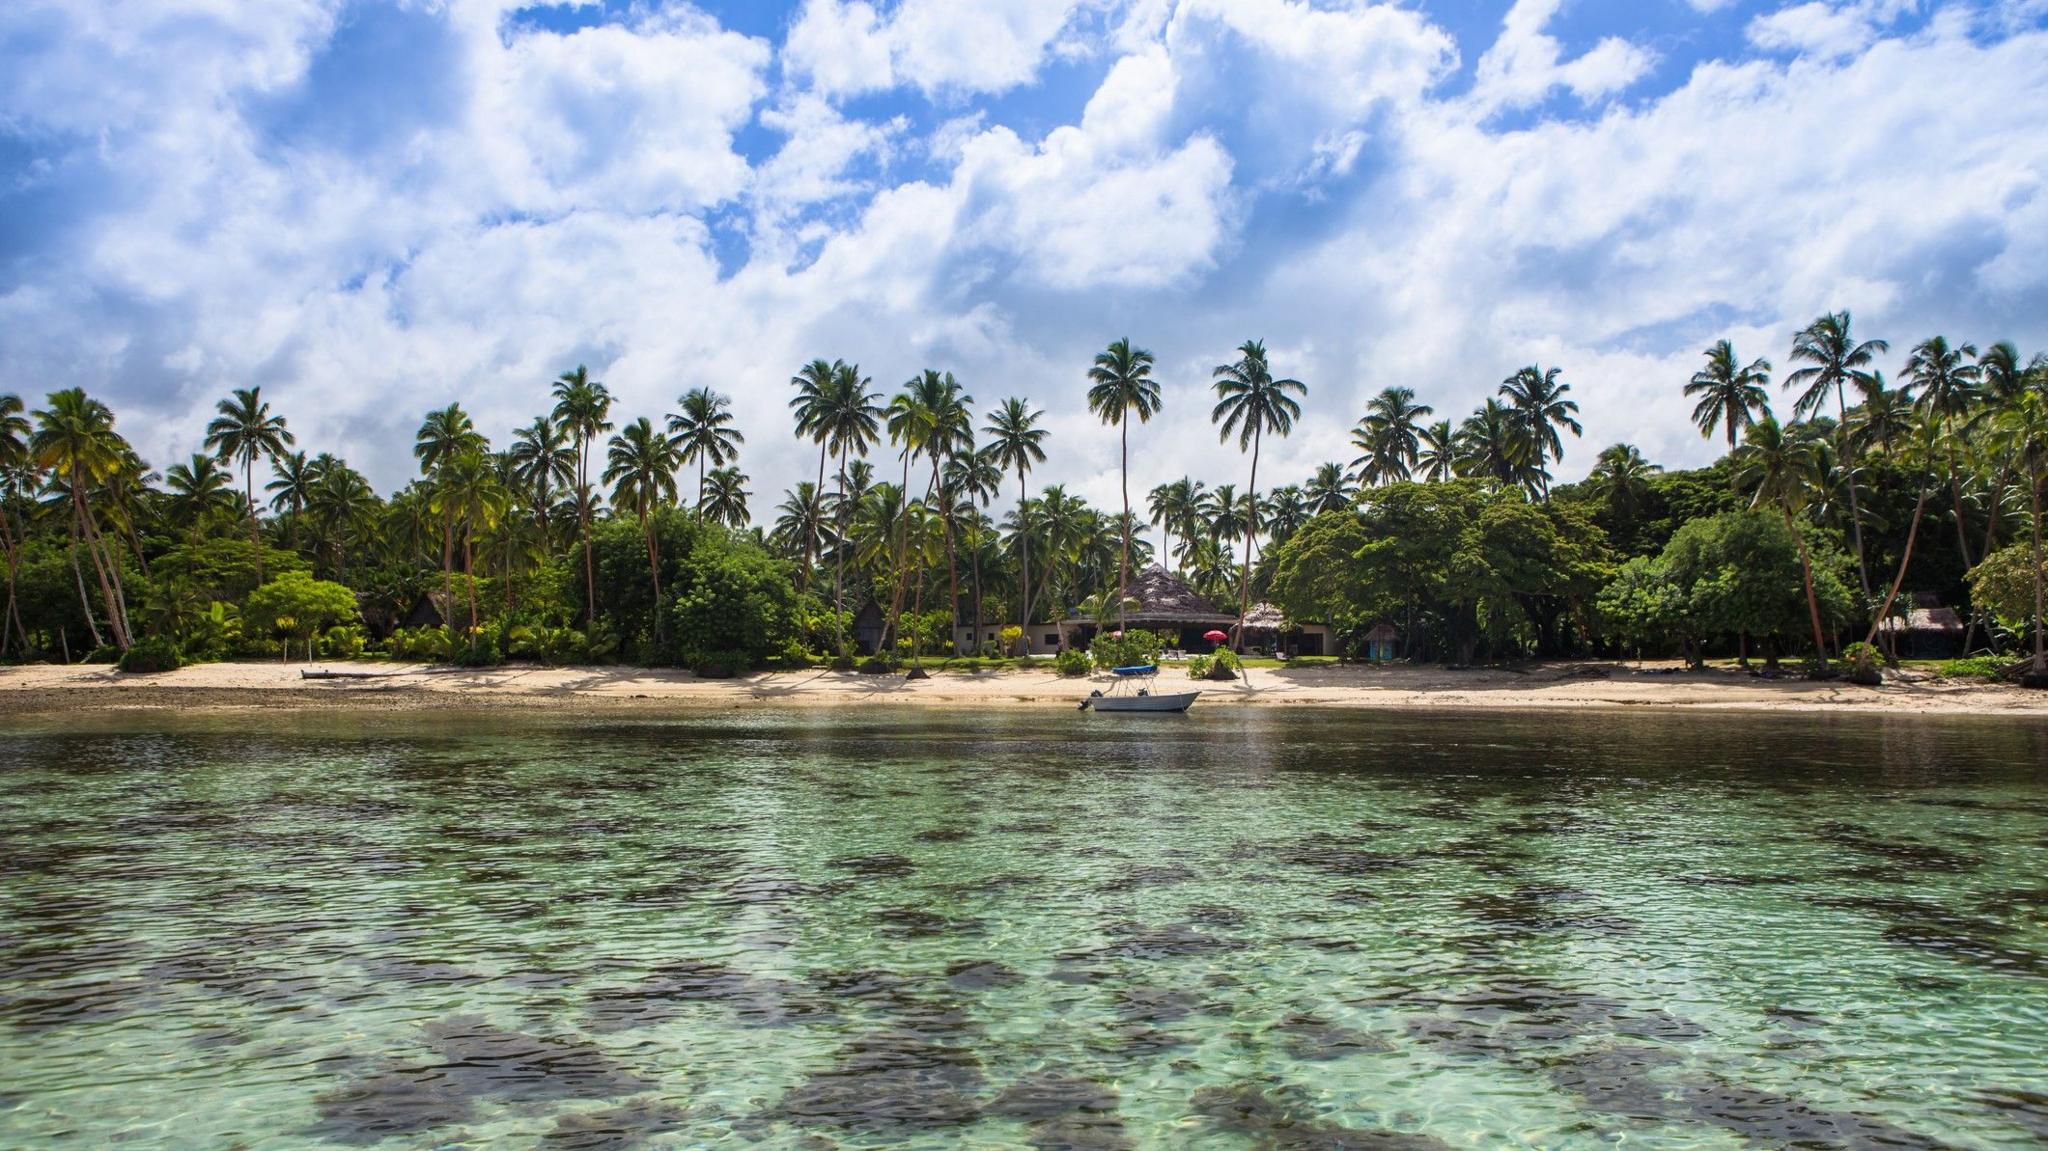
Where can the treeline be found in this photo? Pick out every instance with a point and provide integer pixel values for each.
(592, 536)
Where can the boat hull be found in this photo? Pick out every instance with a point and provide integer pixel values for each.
(1176, 701)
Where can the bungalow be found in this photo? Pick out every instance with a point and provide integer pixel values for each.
(1165, 603)
(1927, 631)
(1265, 626)
(1379, 643)
(1040, 636)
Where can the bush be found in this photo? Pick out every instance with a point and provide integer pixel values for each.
(105, 653)
(1987, 667)
(794, 657)
(1012, 637)
(1222, 665)
(1862, 664)
(877, 665)
(154, 654)
(843, 663)
(344, 641)
(478, 651)
(1072, 663)
(1128, 650)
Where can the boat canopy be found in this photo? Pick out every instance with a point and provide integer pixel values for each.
(1137, 669)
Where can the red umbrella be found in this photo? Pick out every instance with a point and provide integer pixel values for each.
(1214, 636)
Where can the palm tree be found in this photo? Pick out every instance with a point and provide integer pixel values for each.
(583, 406)
(14, 464)
(813, 407)
(196, 489)
(852, 423)
(75, 441)
(1173, 506)
(703, 431)
(944, 428)
(466, 489)
(1123, 387)
(445, 435)
(1251, 402)
(543, 454)
(800, 518)
(1948, 386)
(1016, 442)
(1731, 397)
(1286, 509)
(2002, 379)
(977, 476)
(1330, 490)
(725, 498)
(1621, 478)
(640, 465)
(1437, 452)
(1920, 437)
(246, 431)
(1835, 360)
(1885, 416)
(1539, 403)
(1494, 443)
(343, 506)
(1389, 436)
(291, 489)
(1780, 470)
(2025, 421)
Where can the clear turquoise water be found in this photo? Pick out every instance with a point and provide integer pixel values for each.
(1237, 930)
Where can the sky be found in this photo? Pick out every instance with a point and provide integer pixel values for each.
(371, 209)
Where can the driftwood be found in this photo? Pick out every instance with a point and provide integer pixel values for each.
(323, 673)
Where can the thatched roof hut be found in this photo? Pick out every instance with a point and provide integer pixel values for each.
(1164, 600)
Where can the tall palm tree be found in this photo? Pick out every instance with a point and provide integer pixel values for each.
(640, 465)
(1286, 509)
(852, 422)
(1437, 448)
(1731, 396)
(445, 435)
(812, 406)
(543, 455)
(291, 489)
(1330, 490)
(14, 466)
(725, 497)
(1494, 443)
(1885, 416)
(2002, 379)
(74, 441)
(800, 518)
(343, 506)
(245, 431)
(1173, 506)
(1251, 402)
(1621, 477)
(978, 477)
(196, 489)
(703, 431)
(1920, 438)
(583, 406)
(1122, 386)
(466, 490)
(930, 418)
(1834, 362)
(1948, 386)
(1388, 436)
(1780, 470)
(1016, 442)
(1539, 403)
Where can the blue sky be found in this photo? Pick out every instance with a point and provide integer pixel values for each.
(372, 208)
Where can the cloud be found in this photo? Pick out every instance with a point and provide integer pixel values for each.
(847, 47)
(1524, 65)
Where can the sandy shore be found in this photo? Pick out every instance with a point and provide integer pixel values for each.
(225, 687)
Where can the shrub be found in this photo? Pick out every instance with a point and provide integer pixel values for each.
(719, 664)
(480, 651)
(154, 654)
(1011, 637)
(1862, 664)
(1127, 650)
(877, 665)
(105, 653)
(1223, 665)
(794, 657)
(1989, 667)
(843, 663)
(1071, 663)
(343, 640)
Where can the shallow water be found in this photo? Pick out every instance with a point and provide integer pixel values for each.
(1233, 930)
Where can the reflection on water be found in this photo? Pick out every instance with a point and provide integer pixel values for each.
(1240, 930)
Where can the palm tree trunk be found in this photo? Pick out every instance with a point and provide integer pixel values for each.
(2034, 497)
(84, 601)
(469, 582)
(249, 493)
(116, 620)
(896, 588)
(1912, 533)
(839, 554)
(448, 567)
(1024, 544)
(803, 574)
(583, 521)
(653, 567)
(1855, 512)
(13, 576)
(1820, 643)
(1123, 563)
(1251, 527)
(952, 560)
(974, 571)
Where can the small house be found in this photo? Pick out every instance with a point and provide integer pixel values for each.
(1379, 643)
(1265, 626)
(1927, 631)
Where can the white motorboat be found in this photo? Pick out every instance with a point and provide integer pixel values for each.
(1142, 699)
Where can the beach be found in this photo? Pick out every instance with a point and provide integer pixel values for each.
(47, 690)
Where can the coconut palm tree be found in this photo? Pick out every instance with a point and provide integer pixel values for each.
(197, 489)
(977, 476)
(1621, 478)
(543, 455)
(74, 441)
(583, 406)
(640, 465)
(1251, 402)
(245, 431)
(703, 432)
(1539, 403)
(1916, 445)
(467, 490)
(444, 435)
(1780, 471)
(800, 519)
(343, 506)
(1437, 450)
(1122, 386)
(1331, 490)
(1174, 506)
(1285, 510)
(1834, 362)
(1388, 436)
(291, 489)
(14, 433)
(2025, 422)
(1949, 391)
(1731, 396)
(1494, 443)
(812, 406)
(1885, 416)
(725, 497)
(1016, 442)
(852, 423)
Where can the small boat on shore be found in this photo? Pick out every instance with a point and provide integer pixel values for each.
(1141, 699)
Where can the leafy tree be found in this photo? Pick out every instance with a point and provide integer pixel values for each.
(297, 606)
(734, 603)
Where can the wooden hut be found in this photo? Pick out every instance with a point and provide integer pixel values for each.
(1165, 603)
(1379, 643)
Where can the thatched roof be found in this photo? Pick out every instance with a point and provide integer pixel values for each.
(1166, 598)
(1382, 633)
(1935, 619)
(1265, 617)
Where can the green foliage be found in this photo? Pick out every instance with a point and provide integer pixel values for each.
(843, 663)
(150, 655)
(1736, 571)
(1011, 637)
(1222, 664)
(425, 644)
(296, 598)
(1071, 663)
(734, 604)
(223, 568)
(2003, 584)
(345, 641)
(1863, 664)
(1131, 649)
(478, 650)
(1316, 573)
(545, 643)
(878, 664)
(1984, 667)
